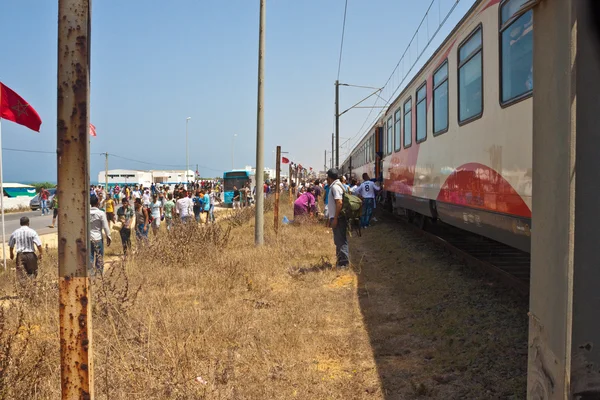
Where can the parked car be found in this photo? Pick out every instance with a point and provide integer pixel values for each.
(34, 203)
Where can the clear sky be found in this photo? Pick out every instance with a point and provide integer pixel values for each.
(154, 63)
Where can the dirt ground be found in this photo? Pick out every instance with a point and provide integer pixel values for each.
(438, 330)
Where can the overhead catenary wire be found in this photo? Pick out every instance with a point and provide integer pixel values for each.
(441, 23)
(112, 155)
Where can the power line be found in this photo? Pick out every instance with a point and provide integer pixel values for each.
(425, 18)
(112, 155)
(342, 43)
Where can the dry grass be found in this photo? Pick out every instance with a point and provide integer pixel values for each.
(203, 313)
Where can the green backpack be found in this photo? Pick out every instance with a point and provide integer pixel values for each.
(351, 209)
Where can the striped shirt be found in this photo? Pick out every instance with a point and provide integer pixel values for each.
(24, 239)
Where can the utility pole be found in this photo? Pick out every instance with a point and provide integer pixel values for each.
(337, 124)
(187, 164)
(331, 163)
(73, 152)
(106, 173)
(196, 173)
(277, 180)
(290, 191)
(260, 131)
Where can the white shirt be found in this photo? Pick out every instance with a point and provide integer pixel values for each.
(367, 189)
(184, 206)
(24, 239)
(336, 192)
(98, 222)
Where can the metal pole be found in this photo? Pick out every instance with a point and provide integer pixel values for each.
(325, 162)
(106, 174)
(290, 176)
(260, 128)
(4, 244)
(187, 164)
(277, 180)
(73, 94)
(337, 124)
(332, 152)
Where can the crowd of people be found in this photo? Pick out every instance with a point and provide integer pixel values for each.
(155, 204)
(151, 207)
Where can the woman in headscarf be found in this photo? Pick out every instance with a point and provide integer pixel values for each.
(305, 204)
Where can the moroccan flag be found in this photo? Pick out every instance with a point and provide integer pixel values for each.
(15, 109)
(92, 130)
(285, 160)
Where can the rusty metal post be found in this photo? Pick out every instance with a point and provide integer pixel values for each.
(74, 18)
(277, 180)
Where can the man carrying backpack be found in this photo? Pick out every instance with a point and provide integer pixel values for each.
(338, 221)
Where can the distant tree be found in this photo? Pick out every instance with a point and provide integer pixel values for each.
(39, 185)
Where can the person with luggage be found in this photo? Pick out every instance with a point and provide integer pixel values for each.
(337, 220)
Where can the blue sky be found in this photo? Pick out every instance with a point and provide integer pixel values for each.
(154, 63)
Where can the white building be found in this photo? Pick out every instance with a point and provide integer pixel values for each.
(146, 178)
(271, 172)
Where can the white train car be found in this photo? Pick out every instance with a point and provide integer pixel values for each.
(456, 144)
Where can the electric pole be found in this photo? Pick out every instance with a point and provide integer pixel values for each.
(337, 124)
(72, 137)
(106, 173)
(331, 164)
(277, 180)
(325, 161)
(260, 131)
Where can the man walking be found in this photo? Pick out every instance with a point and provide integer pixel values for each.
(109, 207)
(125, 215)
(98, 223)
(236, 197)
(366, 191)
(24, 239)
(338, 222)
(54, 206)
(44, 194)
(184, 207)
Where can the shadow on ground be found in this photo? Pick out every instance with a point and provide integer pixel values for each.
(437, 329)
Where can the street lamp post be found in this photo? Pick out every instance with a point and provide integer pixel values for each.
(187, 156)
(232, 148)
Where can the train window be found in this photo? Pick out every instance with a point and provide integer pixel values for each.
(470, 78)
(397, 130)
(421, 113)
(408, 123)
(390, 135)
(516, 52)
(440, 99)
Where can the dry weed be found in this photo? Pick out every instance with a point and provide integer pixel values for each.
(201, 313)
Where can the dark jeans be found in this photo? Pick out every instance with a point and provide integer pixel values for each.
(367, 212)
(126, 239)
(341, 242)
(27, 265)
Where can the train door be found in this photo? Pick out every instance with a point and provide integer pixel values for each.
(379, 146)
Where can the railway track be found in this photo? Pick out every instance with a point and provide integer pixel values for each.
(510, 265)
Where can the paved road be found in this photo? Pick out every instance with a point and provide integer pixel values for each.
(36, 221)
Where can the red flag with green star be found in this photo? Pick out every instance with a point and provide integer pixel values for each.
(14, 108)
